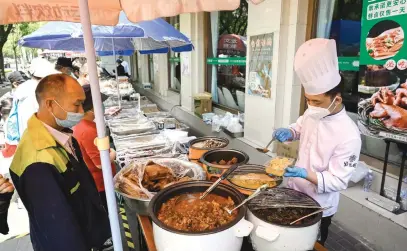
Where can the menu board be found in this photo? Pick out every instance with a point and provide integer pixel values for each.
(383, 62)
(260, 65)
(383, 26)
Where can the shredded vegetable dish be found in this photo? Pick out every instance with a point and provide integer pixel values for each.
(197, 215)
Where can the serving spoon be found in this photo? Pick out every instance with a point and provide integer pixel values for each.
(266, 150)
(254, 194)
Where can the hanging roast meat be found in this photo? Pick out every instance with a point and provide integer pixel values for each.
(390, 115)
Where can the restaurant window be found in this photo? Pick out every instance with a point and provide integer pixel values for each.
(226, 57)
(174, 82)
(356, 32)
(341, 20)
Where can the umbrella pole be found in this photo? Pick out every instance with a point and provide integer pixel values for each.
(117, 78)
(100, 125)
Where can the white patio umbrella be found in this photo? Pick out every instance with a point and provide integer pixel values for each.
(103, 12)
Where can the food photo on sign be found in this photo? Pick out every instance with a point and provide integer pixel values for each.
(382, 110)
(260, 68)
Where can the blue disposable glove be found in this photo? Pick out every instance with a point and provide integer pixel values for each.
(283, 134)
(296, 172)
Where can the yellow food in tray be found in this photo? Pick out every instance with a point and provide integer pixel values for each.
(278, 165)
(253, 180)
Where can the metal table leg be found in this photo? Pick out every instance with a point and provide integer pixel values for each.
(386, 158)
(403, 160)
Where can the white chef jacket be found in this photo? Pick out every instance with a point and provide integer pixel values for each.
(331, 149)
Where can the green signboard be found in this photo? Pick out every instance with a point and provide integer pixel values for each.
(348, 63)
(382, 39)
(175, 60)
(227, 61)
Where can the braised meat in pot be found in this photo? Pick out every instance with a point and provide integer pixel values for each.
(199, 216)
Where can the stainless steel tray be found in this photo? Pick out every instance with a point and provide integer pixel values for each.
(140, 142)
(129, 129)
(158, 114)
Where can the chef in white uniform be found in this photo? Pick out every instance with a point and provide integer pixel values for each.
(329, 140)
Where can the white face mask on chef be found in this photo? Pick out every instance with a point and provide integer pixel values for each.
(317, 113)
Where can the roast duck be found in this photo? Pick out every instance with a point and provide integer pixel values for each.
(390, 108)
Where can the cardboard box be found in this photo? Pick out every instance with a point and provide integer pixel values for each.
(202, 103)
(287, 149)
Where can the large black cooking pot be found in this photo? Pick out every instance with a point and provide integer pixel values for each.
(195, 187)
(217, 155)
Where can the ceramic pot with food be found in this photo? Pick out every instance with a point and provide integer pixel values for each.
(271, 220)
(215, 162)
(199, 146)
(204, 225)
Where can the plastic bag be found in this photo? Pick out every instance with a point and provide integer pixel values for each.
(216, 123)
(131, 176)
(207, 118)
(360, 172)
(234, 126)
(226, 120)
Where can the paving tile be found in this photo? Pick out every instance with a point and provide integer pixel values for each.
(335, 228)
(328, 246)
(348, 237)
(334, 236)
(334, 246)
(362, 247)
(347, 245)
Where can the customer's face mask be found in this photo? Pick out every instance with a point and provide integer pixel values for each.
(72, 118)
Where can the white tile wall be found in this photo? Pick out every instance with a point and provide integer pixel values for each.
(283, 18)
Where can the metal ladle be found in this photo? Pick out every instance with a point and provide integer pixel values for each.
(254, 194)
(190, 197)
(265, 150)
(311, 214)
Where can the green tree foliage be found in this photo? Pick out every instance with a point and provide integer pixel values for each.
(11, 48)
(234, 22)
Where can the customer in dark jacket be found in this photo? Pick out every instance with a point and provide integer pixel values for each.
(56, 187)
(120, 68)
(6, 192)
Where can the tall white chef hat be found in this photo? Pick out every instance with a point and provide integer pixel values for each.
(316, 65)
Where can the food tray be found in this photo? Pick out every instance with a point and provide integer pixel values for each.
(129, 129)
(140, 142)
(127, 121)
(158, 114)
(124, 113)
(234, 135)
(149, 108)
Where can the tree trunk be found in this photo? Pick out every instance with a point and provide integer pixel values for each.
(15, 57)
(2, 74)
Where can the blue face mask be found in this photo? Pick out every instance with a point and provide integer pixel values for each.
(72, 118)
